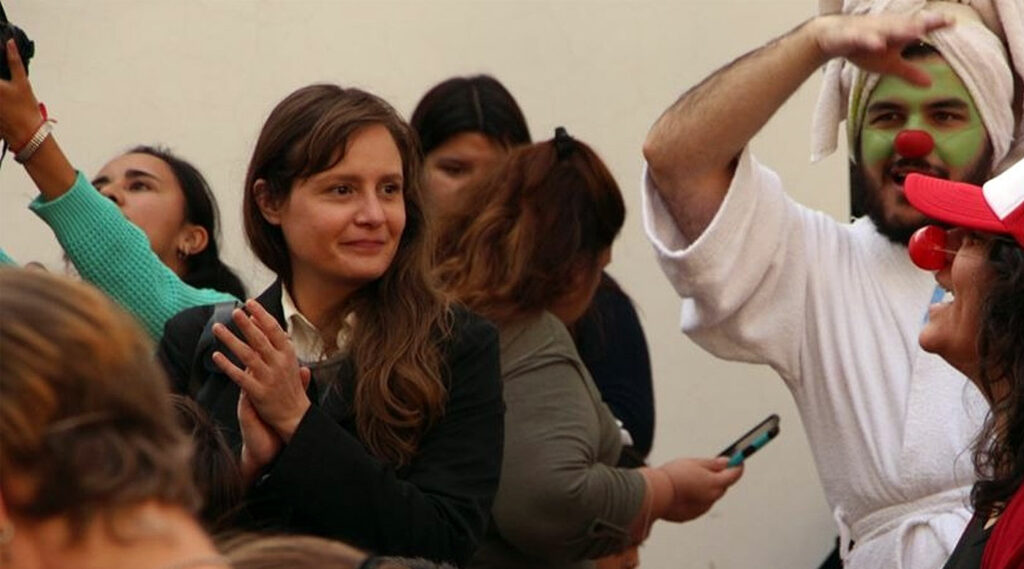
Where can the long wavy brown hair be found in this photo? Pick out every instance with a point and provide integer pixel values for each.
(522, 234)
(999, 450)
(400, 319)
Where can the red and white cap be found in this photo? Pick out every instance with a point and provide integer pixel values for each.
(996, 207)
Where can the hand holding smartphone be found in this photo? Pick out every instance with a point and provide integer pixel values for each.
(752, 441)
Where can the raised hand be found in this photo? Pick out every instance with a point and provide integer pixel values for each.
(19, 109)
(874, 43)
(272, 379)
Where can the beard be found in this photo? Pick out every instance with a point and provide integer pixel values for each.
(866, 196)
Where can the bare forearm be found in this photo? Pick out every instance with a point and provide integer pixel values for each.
(710, 124)
(657, 500)
(692, 148)
(50, 170)
(21, 116)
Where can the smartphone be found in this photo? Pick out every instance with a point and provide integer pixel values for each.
(753, 440)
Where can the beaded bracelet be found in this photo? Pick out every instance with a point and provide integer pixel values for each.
(26, 152)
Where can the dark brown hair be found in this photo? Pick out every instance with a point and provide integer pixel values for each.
(400, 318)
(479, 103)
(84, 408)
(215, 470)
(999, 450)
(513, 248)
(204, 269)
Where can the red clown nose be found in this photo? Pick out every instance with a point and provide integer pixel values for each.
(927, 248)
(914, 143)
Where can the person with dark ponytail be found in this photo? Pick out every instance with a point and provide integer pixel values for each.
(467, 126)
(154, 249)
(526, 251)
(203, 268)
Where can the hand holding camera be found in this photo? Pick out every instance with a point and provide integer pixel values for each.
(19, 111)
(26, 47)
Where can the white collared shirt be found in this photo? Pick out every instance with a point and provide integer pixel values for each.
(309, 347)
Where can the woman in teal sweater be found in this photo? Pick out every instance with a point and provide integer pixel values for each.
(144, 231)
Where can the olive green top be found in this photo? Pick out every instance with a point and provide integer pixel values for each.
(561, 501)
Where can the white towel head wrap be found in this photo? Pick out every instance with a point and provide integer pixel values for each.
(985, 48)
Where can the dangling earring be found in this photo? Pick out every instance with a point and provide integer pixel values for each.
(6, 537)
(183, 253)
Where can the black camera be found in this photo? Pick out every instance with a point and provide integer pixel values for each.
(25, 46)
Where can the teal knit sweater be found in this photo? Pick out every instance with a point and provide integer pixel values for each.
(114, 255)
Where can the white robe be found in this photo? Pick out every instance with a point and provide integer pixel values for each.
(836, 310)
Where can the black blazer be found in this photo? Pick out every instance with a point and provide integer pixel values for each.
(325, 482)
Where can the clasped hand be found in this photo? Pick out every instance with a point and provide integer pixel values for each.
(272, 380)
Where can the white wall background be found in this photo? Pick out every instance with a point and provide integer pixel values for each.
(201, 75)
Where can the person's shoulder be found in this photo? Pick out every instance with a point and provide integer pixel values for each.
(193, 320)
(179, 342)
(539, 340)
(610, 299)
(548, 330)
(870, 243)
(468, 328)
(188, 320)
(471, 353)
(186, 326)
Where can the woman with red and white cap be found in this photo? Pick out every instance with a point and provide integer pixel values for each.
(980, 331)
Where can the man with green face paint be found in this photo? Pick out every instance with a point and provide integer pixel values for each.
(935, 130)
(836, 308)
(944, 110)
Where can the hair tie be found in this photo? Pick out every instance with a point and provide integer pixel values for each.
(564, 143)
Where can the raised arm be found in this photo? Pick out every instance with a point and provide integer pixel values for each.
(106, 248)
(21, 117)
(691, 150)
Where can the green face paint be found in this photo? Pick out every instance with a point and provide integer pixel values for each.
(945, 110)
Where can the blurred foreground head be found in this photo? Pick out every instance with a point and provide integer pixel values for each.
(86, 425)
